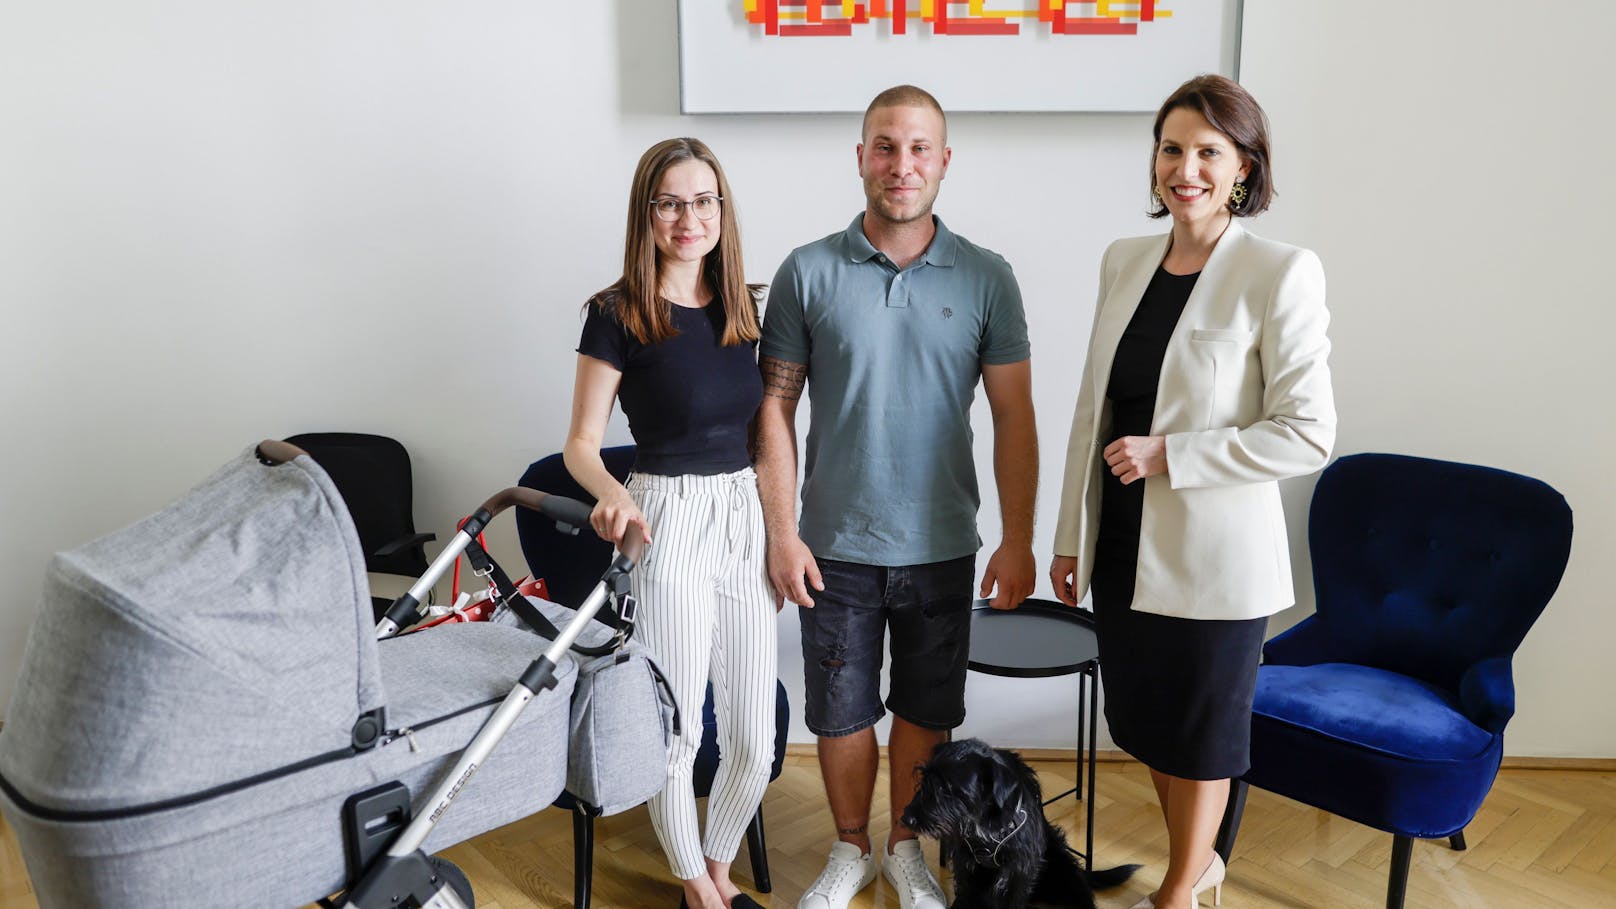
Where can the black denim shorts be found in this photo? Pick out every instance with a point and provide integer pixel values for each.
(928, 608)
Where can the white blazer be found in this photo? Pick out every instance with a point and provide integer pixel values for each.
(1244, 401)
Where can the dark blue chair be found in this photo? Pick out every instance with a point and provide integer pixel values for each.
(1388, 705)
(570, 565)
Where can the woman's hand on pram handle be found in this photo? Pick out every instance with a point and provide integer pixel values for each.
(614, 514)
(568, 511)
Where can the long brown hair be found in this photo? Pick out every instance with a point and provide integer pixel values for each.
(634, 299)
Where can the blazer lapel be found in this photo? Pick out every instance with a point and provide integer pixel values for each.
(1173, 394)
(1121, 301)
(1224, 256)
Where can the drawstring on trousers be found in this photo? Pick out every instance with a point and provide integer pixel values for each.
(738, 523)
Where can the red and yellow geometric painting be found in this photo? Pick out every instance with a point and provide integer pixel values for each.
(751, 56)
(838, 18)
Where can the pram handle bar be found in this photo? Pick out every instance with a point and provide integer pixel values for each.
(406, 608)
(560, 508)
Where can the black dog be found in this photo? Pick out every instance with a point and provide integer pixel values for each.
(985, 807)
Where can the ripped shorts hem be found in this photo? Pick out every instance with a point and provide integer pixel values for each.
(929, 724)
(860, 726)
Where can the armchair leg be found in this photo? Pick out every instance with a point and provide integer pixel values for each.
(1457, 841)
(1224, 844)
(1397, 881)
(759, 851)
(583, 855)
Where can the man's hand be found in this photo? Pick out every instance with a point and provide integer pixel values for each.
(789, 561)
(1012, 569)
(1015, 469)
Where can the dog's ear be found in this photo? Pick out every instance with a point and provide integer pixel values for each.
(1007, 783)
(1029, 776)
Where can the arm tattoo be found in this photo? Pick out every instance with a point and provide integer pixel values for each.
(783, 379)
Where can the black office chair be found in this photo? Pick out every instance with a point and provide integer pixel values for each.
(373, 475)
(570, 564)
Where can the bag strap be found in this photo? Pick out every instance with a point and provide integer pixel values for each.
(665, 693)
(482, 541)
(512, 599)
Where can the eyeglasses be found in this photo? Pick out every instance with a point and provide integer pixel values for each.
(705, 207)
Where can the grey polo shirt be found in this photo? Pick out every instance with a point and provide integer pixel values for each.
(893, 362)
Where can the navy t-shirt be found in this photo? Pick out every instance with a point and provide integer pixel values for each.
(688, 399)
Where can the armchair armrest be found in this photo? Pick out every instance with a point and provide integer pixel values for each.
(1302, 644)
(403, 543)
(1487, 693)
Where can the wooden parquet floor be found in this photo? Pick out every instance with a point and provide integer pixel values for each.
(1544, 838)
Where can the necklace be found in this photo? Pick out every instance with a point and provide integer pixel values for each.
(992, 858)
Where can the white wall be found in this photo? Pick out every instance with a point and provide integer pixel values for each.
(221, 222)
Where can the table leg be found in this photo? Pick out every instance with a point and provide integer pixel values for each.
(1082, 707)
(1094, 731)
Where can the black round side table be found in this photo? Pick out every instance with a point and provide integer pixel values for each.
(1038, 639)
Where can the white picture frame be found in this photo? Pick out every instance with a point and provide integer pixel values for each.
(731, 62)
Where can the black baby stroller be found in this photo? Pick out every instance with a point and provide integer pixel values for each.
(205, 716)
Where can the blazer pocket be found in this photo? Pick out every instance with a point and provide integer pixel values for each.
(1233, 335)
(1222, 350)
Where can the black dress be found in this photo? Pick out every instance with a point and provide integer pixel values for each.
(1177, 691)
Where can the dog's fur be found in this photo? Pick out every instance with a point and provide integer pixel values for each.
(985, 807)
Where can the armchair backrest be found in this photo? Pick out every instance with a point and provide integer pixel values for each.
(570, 564)
(1428, 567)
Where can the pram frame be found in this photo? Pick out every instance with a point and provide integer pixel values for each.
(404, 874)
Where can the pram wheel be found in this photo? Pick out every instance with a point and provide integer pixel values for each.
(457, 880)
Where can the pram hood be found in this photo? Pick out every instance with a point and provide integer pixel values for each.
(229, 635)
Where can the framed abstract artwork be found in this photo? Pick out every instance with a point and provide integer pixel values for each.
(793, 56)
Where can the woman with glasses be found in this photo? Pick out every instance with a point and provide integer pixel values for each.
(674, 340)
(1206, 385)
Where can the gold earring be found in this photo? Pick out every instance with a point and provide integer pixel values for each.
(1155, 195)
(1237, 195)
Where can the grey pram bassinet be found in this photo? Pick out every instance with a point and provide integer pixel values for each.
(184, 729)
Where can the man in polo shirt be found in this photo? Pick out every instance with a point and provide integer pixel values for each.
(889, 324)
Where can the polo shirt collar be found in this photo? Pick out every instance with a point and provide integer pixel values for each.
(942, 251)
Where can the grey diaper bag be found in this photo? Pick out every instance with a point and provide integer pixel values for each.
(624, 716)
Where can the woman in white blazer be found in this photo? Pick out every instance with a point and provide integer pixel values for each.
(1206, 384)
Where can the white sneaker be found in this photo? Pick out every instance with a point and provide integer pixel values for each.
(905, 869)
(847, 872)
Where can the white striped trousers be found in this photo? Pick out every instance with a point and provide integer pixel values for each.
(707, 613)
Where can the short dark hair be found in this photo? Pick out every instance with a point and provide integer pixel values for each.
(903, 96)
(1231, 110)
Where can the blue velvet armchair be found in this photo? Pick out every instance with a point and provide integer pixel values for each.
(1388, 705)
(570, 565)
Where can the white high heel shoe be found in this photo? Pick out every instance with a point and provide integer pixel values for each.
(1212, 878)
